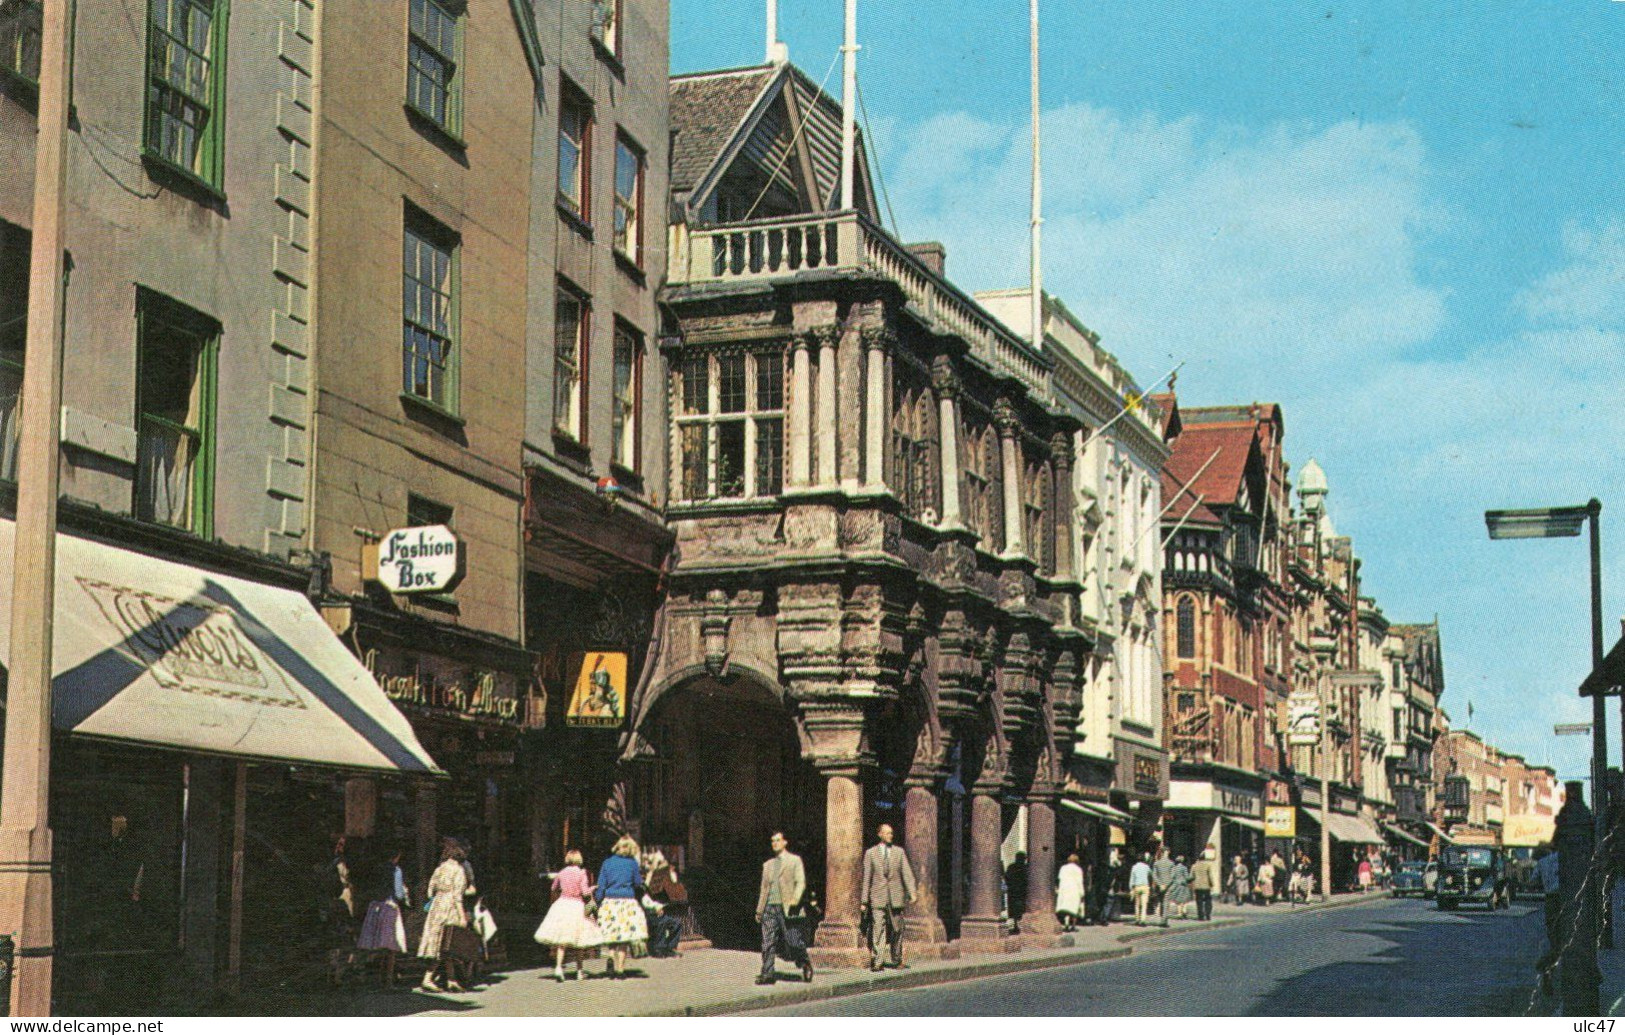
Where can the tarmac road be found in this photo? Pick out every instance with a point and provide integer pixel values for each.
(1389, 958)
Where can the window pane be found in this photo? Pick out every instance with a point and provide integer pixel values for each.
(426, 318)
(769, 456)
(625, 402)
(731, 383)
(770, 381)
(695, 449)
(731, 458)
(569, 315)
(20, 37)
(573, 123)
(180, 94)
(696, 384)
(170, 421)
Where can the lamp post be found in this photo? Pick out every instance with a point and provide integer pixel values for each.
(1554, 523)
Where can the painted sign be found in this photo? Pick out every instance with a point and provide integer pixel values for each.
(1280, 821)
(441, 685)
(599, 698)
(1303, 723)
(426, 559)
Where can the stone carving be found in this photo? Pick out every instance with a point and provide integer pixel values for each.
(714, 631)
(1005, 417)
(944, 378)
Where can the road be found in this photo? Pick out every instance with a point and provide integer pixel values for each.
(1390, 958)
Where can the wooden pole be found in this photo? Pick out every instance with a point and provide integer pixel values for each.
(25, 782)
(239, 833)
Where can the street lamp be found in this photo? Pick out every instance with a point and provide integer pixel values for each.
(1555, 523)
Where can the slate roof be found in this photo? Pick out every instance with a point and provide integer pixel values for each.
(706, 111)
(1220, 483)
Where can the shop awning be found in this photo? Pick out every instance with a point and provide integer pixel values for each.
(159, 653)
(1404, 835)
(1354, 830)
(1444, 838)
(1100, 810)
(1250, 824)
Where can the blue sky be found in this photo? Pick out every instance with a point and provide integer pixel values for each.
(1401, 220)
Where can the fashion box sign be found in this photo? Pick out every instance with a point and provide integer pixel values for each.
(427, 559)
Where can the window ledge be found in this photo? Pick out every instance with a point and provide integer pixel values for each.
(630, 267)
(608, 56)
(572, 452)
(572, 216)
(433, 409)
(428, 125)
(629, 479)
(170, 174)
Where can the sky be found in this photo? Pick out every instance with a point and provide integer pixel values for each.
(1399, 219)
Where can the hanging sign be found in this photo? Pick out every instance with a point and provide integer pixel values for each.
(599, 698)
(1303, 722)
(426, 559)
(1280, 821)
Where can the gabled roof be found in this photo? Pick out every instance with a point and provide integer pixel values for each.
(774, 115)
(1220, 483)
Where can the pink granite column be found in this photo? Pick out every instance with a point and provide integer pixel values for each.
(1040, 920)
(843, 860)
(982, 925)
(921, 921)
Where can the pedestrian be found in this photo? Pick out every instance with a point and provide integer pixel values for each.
(446, 887)
(1547, 869)
(784, 883)
(1179, 886)
(1139, 888)
(620, 911)
(1069, 893)
(1239, 881)
(383, 930)
(1162, 875)
(1265, 883)
(1204, 882)
(666, 900)
(1363, 872)
(568, 928)
(888, 886)
(1278, 872)
(1015, 890)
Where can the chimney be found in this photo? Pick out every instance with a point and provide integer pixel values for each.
(932, 253)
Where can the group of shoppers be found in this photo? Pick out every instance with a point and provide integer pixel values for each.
(629, 909)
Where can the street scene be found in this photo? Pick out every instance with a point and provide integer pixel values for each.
(692, 507)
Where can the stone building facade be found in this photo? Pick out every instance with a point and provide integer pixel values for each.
(875, 569)
(1471, 776)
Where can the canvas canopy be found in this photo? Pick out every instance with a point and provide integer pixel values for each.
(159, 653)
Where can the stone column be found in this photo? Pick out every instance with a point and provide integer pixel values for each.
(843, 859)
(874, 407)
(921, 920)
(801, 412)
(828, 418)
(1065, 496)
(982, 927)
(1004, 416)
(946, 385)
(1040, 922)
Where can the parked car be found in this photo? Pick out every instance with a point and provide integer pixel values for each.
(1415, 878)
(1473, 873)
(1521, 872)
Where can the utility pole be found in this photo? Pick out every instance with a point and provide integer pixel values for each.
(25, 779)
(1037, 272)
(849, 106)
(1325, 793)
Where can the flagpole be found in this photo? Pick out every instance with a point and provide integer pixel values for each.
(849, 102)
(1036, 290)
(1127, 407)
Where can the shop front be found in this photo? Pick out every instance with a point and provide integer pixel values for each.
(176, 690)
(1213, 807)
(1353, 836)
(1139, 789)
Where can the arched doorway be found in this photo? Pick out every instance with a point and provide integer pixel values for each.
(726, 773)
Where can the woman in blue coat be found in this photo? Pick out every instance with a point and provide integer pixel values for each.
(620, 906)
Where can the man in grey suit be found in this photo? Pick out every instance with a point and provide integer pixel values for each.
(784, 882)
(888, 886)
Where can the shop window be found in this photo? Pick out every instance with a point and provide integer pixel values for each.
(186, 88)
(429, 312)
(629, 200)
(175, 386)
(731, 427)
(434, 76)
(627, 417)
(14, 261)
(571, 326)
(575, 153)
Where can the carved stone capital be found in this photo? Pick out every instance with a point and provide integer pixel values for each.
(1005, 417)
(945, 378)
(1060, 450)
(879, 338)
(826, 336)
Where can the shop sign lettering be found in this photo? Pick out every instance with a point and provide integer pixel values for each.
(1280, 821)
(474, 694)
(427, 559)
(1228, 799)
(1147, 775)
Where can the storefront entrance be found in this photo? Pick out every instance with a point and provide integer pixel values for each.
(726, 773)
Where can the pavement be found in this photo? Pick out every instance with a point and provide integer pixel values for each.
(713, 982)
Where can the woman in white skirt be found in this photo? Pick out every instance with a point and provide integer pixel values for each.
(567, 927)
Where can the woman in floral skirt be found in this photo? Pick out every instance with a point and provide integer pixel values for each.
(620, 907)
(567, 927)
(446, 888)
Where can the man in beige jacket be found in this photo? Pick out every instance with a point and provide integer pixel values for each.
(888, 886)
(784, 883)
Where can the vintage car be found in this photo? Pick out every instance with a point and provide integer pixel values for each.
(1473, 873)
(1415, 878)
